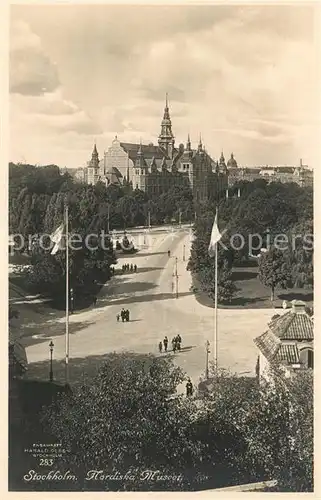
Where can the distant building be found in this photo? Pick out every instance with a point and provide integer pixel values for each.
(301, 174)
(156, 168)
(81, 175)
(287, 346)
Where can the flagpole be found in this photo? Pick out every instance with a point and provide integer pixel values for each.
(67, 296)
(215, 308)
(213, 252)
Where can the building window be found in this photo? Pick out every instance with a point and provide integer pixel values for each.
(306, 357)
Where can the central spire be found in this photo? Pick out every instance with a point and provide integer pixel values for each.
(166, 137)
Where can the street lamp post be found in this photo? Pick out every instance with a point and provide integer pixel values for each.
(184, 253)
(207, 345)
(51, 346)
(176, 276)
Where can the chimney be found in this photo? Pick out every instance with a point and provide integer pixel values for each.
(301, 164)
(298, 306)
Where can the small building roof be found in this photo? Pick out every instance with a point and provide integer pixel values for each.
(295, 324)
(279, 343)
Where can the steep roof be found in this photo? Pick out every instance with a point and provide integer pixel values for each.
(268, 345)
(114, 171)
(148, 150)
(288, 354)
(293, 326)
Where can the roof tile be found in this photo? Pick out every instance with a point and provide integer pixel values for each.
(293, 326)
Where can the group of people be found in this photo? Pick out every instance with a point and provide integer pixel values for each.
(124, 315)
(129, 268)
(176, 343)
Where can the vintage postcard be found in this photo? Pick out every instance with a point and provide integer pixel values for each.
(161, 272)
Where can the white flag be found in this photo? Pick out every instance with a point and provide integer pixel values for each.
(57, 237)
(215, 238)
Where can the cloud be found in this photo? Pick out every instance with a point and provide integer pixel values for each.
(30, 70)
(52, 113)
(231, 72)
(37, 98)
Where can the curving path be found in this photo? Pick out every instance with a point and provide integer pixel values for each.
(155, 312)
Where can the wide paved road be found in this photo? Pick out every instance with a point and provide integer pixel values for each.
(155, 312)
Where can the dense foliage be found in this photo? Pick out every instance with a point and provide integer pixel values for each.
(273, 270)
(37, 197)
(130, 418)
(253, 222)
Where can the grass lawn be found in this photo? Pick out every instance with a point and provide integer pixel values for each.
(251, 294)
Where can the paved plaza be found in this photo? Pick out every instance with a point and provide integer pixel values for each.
(150, 295)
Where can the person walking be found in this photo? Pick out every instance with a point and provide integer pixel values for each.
(174, 344)
(160, 347)
(131, 268)
(123, 314)
(165, 343)
(135, 268)
(117, 318)
(189, 388)
(179, 341)
(95, 301)
(127, 315)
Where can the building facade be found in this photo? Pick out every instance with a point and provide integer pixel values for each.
(156, 168)
(287, 346)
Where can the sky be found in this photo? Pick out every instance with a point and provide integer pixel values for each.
(245, 77)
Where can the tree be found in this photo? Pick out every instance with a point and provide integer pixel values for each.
(226, 286)
(274, 270)
(128, 418)
(300, 253)
(270, 426)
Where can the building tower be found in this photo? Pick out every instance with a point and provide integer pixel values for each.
(200, 145)
(232, 162)
(93, 167)
(188, 144)
(222, 164)
(166, 139)
(141, 170)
